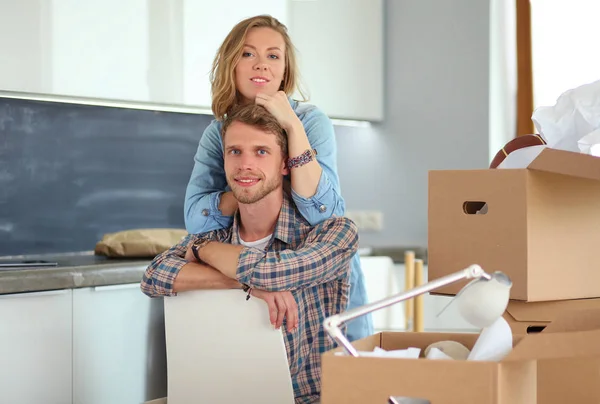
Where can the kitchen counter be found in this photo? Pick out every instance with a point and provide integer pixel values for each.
(73, 270)
(84, 269)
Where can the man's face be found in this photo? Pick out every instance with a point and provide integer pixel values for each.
(254, 165)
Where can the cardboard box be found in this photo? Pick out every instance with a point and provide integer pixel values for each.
(532, 317)
(541, 228)
(561, 364)
(569, 370)
(347, 380)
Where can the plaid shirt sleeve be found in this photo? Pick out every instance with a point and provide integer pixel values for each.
(324, 256)
(161, 273)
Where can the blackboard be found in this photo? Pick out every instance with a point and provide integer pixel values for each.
(71, 173)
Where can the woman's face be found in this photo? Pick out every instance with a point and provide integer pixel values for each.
(262, 65)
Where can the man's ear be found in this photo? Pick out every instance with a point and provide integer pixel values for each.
(284, 165)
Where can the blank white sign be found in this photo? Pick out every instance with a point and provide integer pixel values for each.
(223, 349)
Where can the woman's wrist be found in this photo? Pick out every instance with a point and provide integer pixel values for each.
(295, 128)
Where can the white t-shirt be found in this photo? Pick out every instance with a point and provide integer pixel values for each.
(260, 244)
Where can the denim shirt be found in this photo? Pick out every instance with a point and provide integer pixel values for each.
(208, 182)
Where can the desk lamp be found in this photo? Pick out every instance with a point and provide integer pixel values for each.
(481, 302)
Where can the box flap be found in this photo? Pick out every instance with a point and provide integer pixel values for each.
(575, 320)
(364, 344)
(547, 311)
(567, 163)
(403, 340)
(555, 345)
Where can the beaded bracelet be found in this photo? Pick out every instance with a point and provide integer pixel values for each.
(302, 159)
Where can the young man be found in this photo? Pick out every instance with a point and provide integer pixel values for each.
(271, 251)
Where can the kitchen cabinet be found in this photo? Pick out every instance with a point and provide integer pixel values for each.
(35, 347)
(159, 53)
(341, 55)
(119, 354)
(204, 29)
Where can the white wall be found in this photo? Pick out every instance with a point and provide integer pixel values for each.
(437, 100)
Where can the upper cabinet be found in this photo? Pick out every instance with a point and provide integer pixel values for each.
(204, 29)
(341, 55)
(161, 52)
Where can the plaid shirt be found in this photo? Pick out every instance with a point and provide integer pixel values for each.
(311, 262)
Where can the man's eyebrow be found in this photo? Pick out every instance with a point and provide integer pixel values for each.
(265, 147)
(256, 147)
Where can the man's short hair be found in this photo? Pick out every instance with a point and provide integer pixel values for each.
(257, 116)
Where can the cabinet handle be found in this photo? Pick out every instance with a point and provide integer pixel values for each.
(35, 294)
(117, 287)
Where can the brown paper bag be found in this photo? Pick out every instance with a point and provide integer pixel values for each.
(140, 243)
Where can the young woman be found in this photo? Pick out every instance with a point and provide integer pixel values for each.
(256, 64)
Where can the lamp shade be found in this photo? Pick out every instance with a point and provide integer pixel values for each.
(481, 302)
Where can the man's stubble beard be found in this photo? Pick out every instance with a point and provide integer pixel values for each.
(249, 198)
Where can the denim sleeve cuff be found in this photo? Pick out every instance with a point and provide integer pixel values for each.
(322, 203)
(214, 201)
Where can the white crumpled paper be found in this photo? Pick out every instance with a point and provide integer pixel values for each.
(572, 124)
(493, 344)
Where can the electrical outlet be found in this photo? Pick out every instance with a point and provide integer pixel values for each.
(371, 220)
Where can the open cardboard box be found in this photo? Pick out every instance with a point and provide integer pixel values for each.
(346, 379)
(533, 317)
(541, 227)
(561, 364)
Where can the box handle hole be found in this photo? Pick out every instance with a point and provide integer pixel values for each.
(407, 400)
(475, 207)
(532, 329)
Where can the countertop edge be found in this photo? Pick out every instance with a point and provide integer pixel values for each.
(38, 280)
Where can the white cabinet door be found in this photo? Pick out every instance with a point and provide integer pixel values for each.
(99, 49)
(119, 354)
(35, 347)
(205, 26)
(341, 55)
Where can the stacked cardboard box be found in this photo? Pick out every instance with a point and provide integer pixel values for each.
(540, 225)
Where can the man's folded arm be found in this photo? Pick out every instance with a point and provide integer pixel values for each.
(170, 273)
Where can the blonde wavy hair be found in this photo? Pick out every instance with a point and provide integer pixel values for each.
(222, 74)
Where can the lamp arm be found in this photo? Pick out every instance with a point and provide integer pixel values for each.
(333, 323)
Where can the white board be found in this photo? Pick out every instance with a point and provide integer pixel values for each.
(223, 349)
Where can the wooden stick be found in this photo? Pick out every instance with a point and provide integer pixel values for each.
(525, 83)
(419, 300)
(409, 282)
